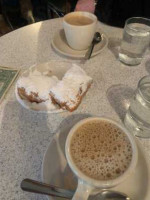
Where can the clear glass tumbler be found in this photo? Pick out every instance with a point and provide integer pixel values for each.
(137, 119)
(136, 38)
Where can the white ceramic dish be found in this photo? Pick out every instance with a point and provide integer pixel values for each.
(59, 43)
(57, 68)
(55, 169)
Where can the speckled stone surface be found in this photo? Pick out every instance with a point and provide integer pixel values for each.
(25, 135)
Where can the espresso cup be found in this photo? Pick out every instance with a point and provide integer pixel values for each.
(126, 146)
(79, 29)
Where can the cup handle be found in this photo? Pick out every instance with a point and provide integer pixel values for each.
(83, 191)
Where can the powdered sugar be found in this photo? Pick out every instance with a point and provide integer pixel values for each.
(73, 85)
(37, 83)
(43, 82)
(46, 106)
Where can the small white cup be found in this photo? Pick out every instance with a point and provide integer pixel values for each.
(79, 37)
(86, 184)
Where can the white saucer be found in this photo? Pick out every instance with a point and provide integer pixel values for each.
(56, 68)
(55, 169)
(60, 44)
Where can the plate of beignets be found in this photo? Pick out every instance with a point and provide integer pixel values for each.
(52, 87)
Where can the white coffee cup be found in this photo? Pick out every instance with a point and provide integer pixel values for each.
(79, 37)
(87, 185)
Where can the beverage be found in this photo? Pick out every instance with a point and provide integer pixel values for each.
(79, 20)
(135, 41)
(101, 150)
(79, 29)
(138, 115)
(101, 153)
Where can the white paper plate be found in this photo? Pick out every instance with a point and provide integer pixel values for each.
(56, 68)
(56, 171)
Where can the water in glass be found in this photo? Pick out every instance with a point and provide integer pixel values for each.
(137, 119)
(135, 41)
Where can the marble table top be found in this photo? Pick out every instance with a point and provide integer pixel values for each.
(25, 135)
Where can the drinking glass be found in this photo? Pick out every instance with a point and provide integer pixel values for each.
(136, 37)
(137, 119)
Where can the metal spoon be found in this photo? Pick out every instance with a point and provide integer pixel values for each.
(109, 195)
(42, 188)
(97, 38)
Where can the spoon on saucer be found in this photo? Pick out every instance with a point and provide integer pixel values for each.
(109, 195)
(30, 185)
(97, 38)
(42, 188)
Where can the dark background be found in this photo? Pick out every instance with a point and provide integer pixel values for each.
(113, 12)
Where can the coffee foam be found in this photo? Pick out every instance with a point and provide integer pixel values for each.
(101, 150)
(79, 20)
